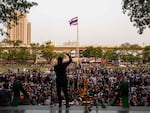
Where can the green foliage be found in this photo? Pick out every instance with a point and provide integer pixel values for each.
(147, 48)
(139, 13)
(5, 55)
(126, 52)
(13, 43)
(9, 14)
(129, 46)
(111, 55)
(35, 47)
(22, 55)
(146, 54)
(47, 51)
(60, 55)
(92, 52)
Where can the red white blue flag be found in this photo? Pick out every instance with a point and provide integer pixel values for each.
(73, 21)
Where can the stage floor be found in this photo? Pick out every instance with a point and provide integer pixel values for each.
(72, 109)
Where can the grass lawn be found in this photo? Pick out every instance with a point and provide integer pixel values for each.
(5, 68)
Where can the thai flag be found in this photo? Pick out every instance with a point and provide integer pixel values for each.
(73, 21)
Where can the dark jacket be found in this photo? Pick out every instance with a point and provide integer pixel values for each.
(5, 97)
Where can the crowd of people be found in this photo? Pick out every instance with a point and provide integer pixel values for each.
(102, 84)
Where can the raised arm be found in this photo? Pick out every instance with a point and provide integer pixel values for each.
(69, 56)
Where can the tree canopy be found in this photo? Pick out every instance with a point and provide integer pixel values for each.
(139, 13)
(146, 53)
(8, 12)
(92, 52)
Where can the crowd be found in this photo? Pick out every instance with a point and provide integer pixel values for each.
(102, 84)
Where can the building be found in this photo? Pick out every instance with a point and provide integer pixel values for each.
(70, 43)
(21, 31)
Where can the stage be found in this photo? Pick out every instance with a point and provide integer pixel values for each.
(72, 109)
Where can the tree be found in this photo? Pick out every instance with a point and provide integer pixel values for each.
(22, 55)
(130, 53)
(7, 42)
(98, 52)
(1, 52)
(35, 51)
(8, 12)
(5, 56)
(111, 55)
(139, 13)
(146, 54)
(92, 52)
(16, 43)
(47, 51)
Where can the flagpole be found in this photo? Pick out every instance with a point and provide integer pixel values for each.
(78, 54)
(74, 21)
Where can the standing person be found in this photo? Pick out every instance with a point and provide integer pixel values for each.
(17, 87)
(125, 93)
(61, 79)
(5, 95)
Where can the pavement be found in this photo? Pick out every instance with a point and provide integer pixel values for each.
(72, 109)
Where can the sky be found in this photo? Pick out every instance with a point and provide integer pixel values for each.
(100, 22)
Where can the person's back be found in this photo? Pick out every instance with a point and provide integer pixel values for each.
(61, 78)
(60, 68)
(17, 87)
(5, 96)
(124, 93)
